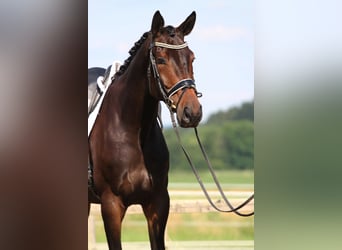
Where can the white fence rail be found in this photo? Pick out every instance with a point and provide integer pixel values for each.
(187, 202)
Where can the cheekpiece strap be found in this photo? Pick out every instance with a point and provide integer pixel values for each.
(182, 84)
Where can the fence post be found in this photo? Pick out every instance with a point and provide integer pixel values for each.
(91, 232)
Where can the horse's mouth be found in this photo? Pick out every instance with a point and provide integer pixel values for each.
(189, 119)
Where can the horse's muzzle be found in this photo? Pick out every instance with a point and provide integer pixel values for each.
(190, 118)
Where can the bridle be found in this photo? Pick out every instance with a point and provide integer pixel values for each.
(183, 84)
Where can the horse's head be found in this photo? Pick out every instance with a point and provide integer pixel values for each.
(171, 63)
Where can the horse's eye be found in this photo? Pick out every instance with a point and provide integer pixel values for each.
(161, 60)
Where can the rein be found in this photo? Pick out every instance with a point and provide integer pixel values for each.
(167, 94)
(232, 209)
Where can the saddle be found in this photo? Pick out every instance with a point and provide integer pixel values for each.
(98, 80)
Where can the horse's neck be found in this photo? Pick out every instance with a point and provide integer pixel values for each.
(138, 108)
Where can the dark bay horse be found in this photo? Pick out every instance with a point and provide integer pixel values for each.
(127, 150)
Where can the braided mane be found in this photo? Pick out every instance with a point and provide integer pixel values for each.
(132, 53)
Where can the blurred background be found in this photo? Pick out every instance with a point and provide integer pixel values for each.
(297, 136)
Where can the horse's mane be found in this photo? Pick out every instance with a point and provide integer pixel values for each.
(132, 53)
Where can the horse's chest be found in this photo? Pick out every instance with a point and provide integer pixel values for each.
(135, 182)
(125, 170)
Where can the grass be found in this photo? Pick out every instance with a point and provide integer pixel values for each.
(224, 176)
(209, 226)
(187, 227)
(193, 226)
(229, 179)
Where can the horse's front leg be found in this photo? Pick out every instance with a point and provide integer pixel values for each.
(157, 212)
(113, 212)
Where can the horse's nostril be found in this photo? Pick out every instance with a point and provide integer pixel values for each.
(187, 113)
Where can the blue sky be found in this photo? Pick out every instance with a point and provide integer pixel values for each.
(222, 40)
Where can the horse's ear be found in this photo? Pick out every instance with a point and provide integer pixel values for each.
(157, 22)
(187, 26)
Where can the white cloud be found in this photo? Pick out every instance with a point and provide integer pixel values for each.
(221, 33)
(218, 4)
(123, 47)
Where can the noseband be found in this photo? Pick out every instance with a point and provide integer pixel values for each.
(180, 85)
